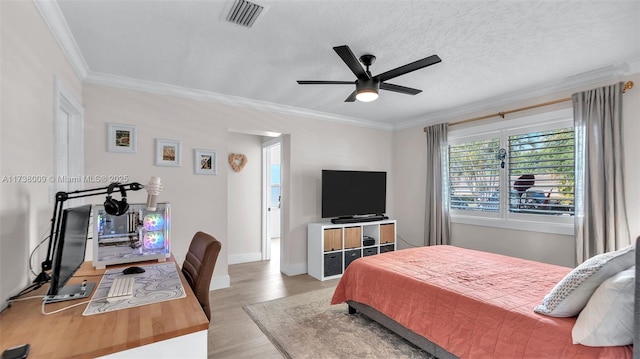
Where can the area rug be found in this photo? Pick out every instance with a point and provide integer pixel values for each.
(307, 326)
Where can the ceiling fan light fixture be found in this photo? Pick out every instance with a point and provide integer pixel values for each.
(367, 90)
(368, 86)
(367, 95)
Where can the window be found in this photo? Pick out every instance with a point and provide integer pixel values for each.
(516, 174)
(541, 172)
(474, 175)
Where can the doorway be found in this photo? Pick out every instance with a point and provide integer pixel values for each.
(68, 148)
(68, 142)
(272, 200)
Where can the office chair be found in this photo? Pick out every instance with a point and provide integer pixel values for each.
(198, 267)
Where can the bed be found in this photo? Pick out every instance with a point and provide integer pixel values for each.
(461, 303)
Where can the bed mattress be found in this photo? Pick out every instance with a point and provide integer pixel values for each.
(473, 304)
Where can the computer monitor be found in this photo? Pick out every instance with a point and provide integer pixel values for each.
(69, 254)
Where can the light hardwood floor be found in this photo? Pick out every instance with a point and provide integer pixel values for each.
(232, 333)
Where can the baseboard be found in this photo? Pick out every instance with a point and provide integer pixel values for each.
(294, 269)
(244, 258)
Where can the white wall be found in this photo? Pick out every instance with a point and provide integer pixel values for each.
(204, 202)
(198, 202)
(245, 200)
(29, 60)
(410, 173)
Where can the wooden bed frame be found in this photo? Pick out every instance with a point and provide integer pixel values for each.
(434, 349)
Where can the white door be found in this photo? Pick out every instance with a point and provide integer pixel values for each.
(69, 143)
(68, 148)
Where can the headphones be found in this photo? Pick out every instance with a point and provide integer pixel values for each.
(115, 207)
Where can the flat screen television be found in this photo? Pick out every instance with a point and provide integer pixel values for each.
(69, 254)
(346, 194)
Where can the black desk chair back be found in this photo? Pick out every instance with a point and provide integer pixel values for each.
(198, 267)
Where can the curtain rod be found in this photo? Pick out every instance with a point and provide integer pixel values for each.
(627, 86)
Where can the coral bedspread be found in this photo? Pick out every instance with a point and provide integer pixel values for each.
(473, 304)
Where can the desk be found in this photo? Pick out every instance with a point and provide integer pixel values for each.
(152, 330)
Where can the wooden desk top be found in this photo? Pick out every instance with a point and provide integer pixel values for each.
(68, 334)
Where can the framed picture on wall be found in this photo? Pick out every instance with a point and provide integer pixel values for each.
(168, 152)
(122, 138)
(206, 162)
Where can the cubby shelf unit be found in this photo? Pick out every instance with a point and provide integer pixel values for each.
(332, 247)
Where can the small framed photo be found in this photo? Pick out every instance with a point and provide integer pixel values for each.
(205, 162)
(122, 138)
(168, 152)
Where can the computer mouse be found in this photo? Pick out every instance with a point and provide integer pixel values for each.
(133, 270)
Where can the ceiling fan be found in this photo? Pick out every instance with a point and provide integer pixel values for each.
(367, 86)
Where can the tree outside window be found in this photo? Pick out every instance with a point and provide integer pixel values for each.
(515, 174)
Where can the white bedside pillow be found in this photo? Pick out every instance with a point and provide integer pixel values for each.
(572, 293)
(607, 319)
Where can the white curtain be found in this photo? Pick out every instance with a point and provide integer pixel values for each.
(437, 221)
(600, 214)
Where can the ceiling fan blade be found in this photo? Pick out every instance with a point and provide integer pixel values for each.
(352, 97)
(427, 61)
(400, 89)
(303, 82)
(350, 59)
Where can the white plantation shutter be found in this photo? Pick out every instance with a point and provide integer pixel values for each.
(515, 174)
(542, 172)
(474, 175)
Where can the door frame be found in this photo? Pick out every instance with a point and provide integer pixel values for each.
(266, 169)
(68, 140)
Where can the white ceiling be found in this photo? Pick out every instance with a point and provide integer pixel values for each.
(490, 50)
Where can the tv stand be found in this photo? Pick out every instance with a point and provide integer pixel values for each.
(354, 219)
(332, 247)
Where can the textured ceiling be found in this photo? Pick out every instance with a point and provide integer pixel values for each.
(489, 50)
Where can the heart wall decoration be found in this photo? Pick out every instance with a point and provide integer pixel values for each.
(237, 161)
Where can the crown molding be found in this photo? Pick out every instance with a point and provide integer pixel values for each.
(53, 17)
(572, 82)
(201, 95)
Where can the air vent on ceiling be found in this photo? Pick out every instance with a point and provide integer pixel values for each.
(244, 13)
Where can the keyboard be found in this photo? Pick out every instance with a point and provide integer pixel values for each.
(121, 288)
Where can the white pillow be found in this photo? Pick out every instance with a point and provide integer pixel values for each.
(607, 319)
(572, 293)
